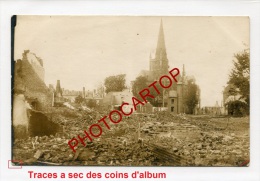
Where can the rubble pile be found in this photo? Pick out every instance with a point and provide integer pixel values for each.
(110, 149)
(106, 152)
(211, 149)
(139, 140)
(192, 140)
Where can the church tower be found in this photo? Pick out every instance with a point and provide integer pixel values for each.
(159, 64)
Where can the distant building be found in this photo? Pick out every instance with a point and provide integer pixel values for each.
(230, 93)
(216, 110)
(113, 100)
(96, 95)
(159, 64)
(146, 108)
(70, 95)
(173, 102)
(173, 98)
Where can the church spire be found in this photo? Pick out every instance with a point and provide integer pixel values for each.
(159, 64)
(161, 50)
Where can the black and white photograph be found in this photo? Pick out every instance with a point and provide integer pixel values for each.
(131, 90)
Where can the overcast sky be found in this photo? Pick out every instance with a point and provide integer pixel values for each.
(81, 51)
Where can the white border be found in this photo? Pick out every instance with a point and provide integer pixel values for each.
(140, 7)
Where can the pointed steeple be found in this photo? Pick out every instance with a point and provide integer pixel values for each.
(161, 50)
(159, 64)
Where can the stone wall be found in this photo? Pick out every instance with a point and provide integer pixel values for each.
(36, 62)
(29, 94)
(20, 116)
(27, 82)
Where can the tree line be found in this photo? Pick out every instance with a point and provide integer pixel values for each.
(239, 85)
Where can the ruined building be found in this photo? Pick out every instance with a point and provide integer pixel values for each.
(31, 97)
(29, 81)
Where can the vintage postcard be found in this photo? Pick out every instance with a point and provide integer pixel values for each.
(131, 90)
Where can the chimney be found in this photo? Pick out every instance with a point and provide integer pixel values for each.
(58, 89)
(84, 94)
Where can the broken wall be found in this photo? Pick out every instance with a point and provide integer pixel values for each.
(20, 116)
(27, 82)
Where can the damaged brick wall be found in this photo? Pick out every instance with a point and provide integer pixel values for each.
(30, 88)
(27, 82)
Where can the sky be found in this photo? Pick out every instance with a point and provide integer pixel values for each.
(81, 51)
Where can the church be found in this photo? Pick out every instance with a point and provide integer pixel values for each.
(173, 99)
